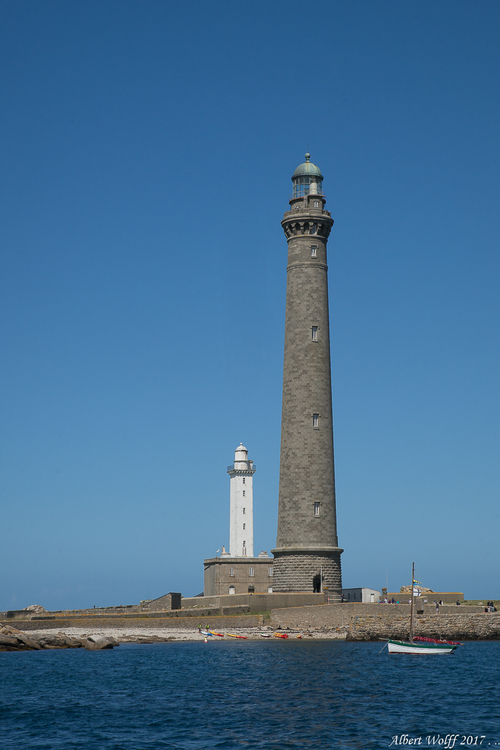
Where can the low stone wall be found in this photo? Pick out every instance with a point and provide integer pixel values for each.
(362, 622)
(23, 614)
(254, 602)
(96, 613)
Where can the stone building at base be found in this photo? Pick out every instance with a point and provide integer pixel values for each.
(238, 575)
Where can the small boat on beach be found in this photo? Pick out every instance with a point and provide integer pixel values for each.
(212, 632)
(232, 635)
(281, 635)
(419, 644)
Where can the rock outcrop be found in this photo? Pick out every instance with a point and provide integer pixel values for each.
(15, 640)
(37, 608)
(99, 642)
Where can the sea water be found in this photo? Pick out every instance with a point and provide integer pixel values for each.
(249, 694)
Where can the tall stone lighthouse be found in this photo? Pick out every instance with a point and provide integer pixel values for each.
(307, 555)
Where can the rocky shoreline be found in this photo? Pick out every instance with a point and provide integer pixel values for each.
(326, 622)
(12, 639)
(105, 638)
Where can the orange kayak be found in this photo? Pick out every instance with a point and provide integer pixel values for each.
(281, 635)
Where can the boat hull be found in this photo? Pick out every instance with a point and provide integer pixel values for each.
(405, 647)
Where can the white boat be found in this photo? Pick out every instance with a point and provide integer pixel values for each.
(421, 647)
(419, 644)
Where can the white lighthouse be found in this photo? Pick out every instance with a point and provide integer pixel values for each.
(237, 571)
(241, 504)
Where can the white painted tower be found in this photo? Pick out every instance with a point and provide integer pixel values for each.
(241, 504)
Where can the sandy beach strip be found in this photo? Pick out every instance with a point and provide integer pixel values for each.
(165, 635)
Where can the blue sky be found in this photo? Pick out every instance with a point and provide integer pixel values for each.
(146, 163)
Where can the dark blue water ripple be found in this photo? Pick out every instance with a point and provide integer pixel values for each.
(247, 696)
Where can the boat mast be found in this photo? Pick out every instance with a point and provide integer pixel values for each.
(411, 601)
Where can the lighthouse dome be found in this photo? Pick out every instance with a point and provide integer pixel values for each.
(307, 179)
(307, 168)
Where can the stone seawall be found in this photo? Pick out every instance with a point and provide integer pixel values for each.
(365, 622)
(452, 627)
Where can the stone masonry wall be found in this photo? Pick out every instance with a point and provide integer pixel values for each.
(253, 602)
(296, 572)
(378, 622)
(455, 627)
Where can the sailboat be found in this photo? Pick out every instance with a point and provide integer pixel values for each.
(418, 644)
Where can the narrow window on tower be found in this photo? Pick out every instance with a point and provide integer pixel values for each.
(243, 493)
(314, 332)
(316, 421)
(244, 526)
(231, 571)
(243, 480)
(244, 511)
(314, 251)
(316, 509)
(251, 572)
(316, 204)
(270, 571)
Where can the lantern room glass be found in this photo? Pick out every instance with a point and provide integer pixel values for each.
(302, 186)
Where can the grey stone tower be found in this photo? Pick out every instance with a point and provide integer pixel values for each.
(307, 556)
